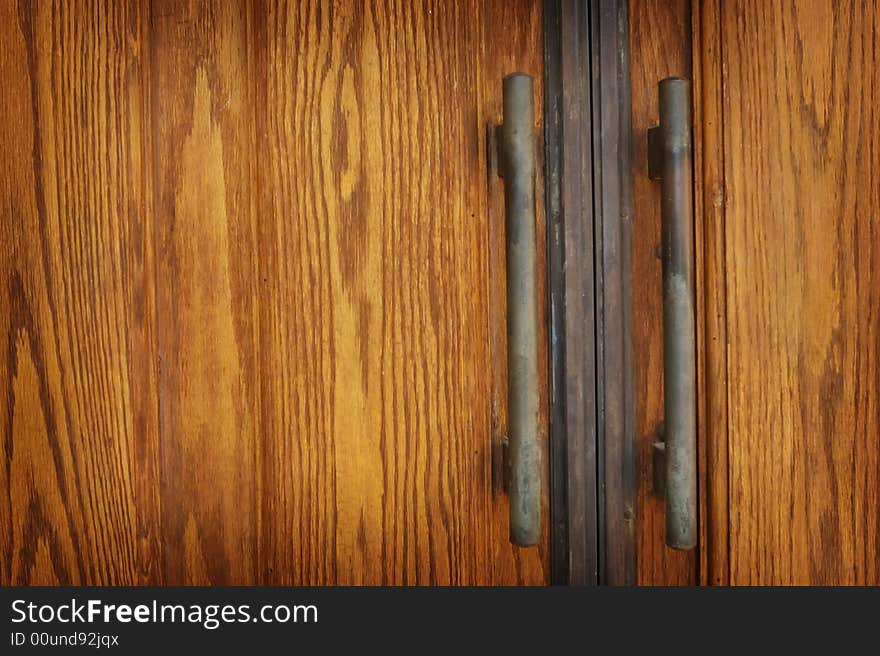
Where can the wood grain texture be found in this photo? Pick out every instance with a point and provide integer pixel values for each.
(79, 498)
(660, 37)
(612, 139)
(573, 307)
(245, 267)
(206, 287)
(520, 51)
(371, 287)
(374, 323)
(802, 160)
(711, 297)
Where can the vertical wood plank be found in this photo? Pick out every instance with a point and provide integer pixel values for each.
(660, 38)
(519, 50)
(612, 173)
(802, 160)
(374, 321)
(203, 112)
(78, 427)
(571, 304)
(373, 266)
(711, 294)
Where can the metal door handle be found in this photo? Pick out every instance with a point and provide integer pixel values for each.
(516, 164)
(669, 160)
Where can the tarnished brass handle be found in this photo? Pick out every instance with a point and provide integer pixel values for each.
(516, 155)
(669, 160)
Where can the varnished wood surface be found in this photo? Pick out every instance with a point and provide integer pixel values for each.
(572, 237)
(79, 481)
(202, 115)
(378, 150)
(802, 162)
(711, 299)
(660, 37)
(786, 137)
(521, 51)
(245, 292)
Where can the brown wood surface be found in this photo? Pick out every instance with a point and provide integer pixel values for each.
(246, 272)
(711, 297)
(521, 51)
(801, 92)
(787, 158)
(374, 326)
(660, 37)
(202, 114)
(575, 229)
(79, 496)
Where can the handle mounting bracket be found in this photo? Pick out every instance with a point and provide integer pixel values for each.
(658, 463)
(655, 153)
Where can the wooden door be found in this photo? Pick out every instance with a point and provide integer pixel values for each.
(787, 132)
(249, 256)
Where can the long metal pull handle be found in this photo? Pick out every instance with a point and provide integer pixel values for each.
(516, 150)
(669, 148)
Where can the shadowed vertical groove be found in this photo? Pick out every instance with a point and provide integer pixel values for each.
(610, 109)
(571, 255)
(151, 458)
(711, 298)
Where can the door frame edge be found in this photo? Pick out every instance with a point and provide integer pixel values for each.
(588, 181)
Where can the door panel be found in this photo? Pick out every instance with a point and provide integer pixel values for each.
(787, 139)
(802, 159)
(78, 425)
(249, 259)
(660, 37)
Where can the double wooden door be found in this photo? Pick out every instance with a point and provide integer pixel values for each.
(251, 284)
(787, 169)
(252, 290)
